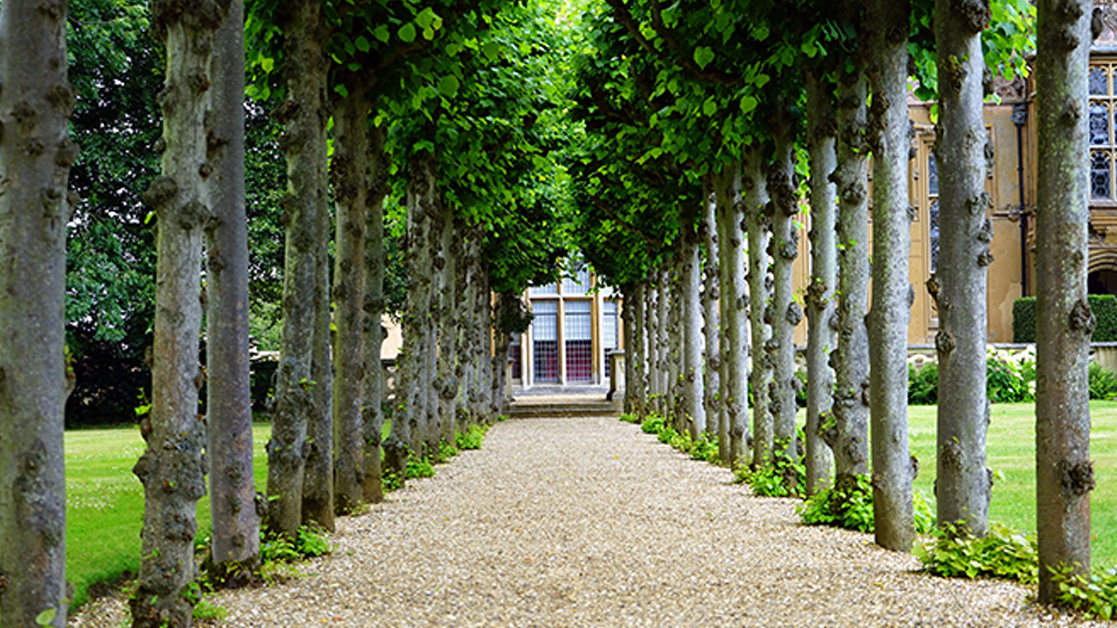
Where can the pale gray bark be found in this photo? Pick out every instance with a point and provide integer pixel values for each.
(410, 416)
(635, 328)
(849, 436)
(690, 302)
(821, 292)
(652, 344)
(755, 197)
(711, 293)
(318, 482)
(172, 467)
(1064, 472)
(349, 167)
(506, 304)
(783, 314)
(35, 158)
(734, 314)
(892, 292)
(235, 523)
(446, 384)
(963, 484)
(472, 397)
(372, 412)
(305, 148)
(675, 344)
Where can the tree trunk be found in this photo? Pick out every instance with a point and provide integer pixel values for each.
(734, 315)
(635, 375)
(676, 344)
(172, 468)
(1064, 473)
(235, 522)
(892, 291)
(35, 107)
(475, 325)
(350, 177)
(755, 198)
(963, 484)
(849, 436)
(652, 343)
(446, 383)
(784, 313)
(304, 145)
(318, 483)
(690, 297)
(821, 139)
(711, 293)
(504, 303)
(373, 410)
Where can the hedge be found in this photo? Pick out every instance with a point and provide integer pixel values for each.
(1104, 307)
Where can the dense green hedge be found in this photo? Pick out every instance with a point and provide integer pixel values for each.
(1104, 307)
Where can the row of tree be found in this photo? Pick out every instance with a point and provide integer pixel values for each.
(441, 106)
(702, 121)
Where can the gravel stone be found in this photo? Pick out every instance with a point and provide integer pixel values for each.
(590, 522)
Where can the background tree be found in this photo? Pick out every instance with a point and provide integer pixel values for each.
(35, 156)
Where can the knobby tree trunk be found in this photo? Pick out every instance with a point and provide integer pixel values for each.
(372, 412)
(676, 343)
(35, 157)
(304, 145)
(892, 290)
(755, 199)
(822, 131)
(445, 385)
(734, 314)
(651, 342)
(1064, 473)
(690, 301)
(963, 484)
(663, 344)
(318, 484)
(783, 314)
(350, 177)
(172, 468)
(848, 436)
(235, 522)
(711, 293)
(635, 375)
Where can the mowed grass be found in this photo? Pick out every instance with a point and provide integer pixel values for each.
(1011, 453)
(104, 503)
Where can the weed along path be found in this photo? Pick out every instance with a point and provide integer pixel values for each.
(590, 522)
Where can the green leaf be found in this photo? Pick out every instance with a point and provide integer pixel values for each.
(44, 618)
(382, 33)
(428, 34)
(407, 33)
(710, 107)
(703, 55)
(491, 50)
(448, 86)
(268, 64)
(362, 44)
(748, 103)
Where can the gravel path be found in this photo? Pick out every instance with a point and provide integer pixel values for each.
(590, 522)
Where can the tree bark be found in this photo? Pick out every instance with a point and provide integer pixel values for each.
(35, 156)
(304, 145)
(350, 174)
(676, 343)
(892, 291)
(690, 301)
(784, 313)
(963, 484)
(711, 294)
(849, 436)
(372, 411)
(446, 383)
(822, 133)
(235, 522)
(1064, 472)
(652, 342)
(755, 198)
(734, 316)
(635, 328)
(318, 483)
(172, 467)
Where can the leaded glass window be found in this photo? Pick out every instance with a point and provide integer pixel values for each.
(1103, 140)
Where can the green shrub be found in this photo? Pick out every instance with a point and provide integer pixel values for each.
(1095, 596)
(629, 417)
(781, 477)
(705, 448)
(849, 505)
(471, 438)
(923, 384)
(1103, 382)
(419, 468)
(1104, 307)
(653, 424)
(446, 451)
(1002, 553)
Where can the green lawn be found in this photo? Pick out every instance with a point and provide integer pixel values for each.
(1011, 455)
(104, 502)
